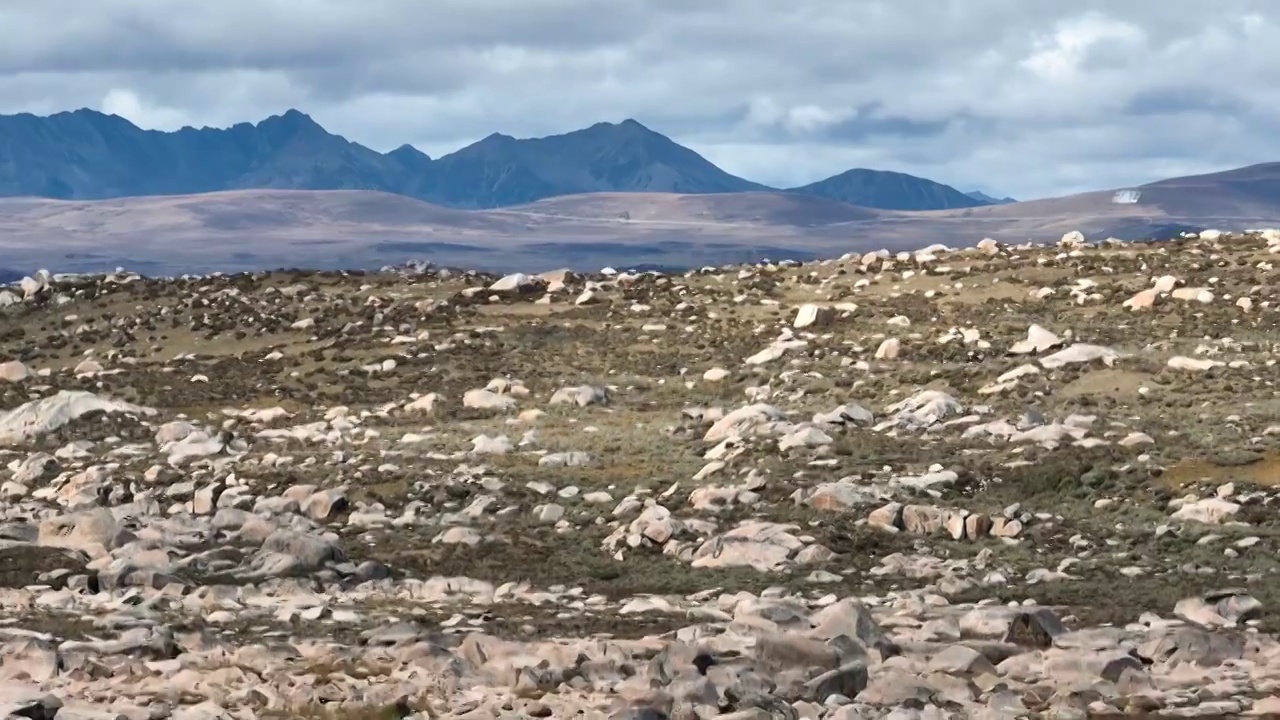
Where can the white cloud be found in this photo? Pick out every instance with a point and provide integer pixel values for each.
(1060, 56)
(807, 119)
(128, 105)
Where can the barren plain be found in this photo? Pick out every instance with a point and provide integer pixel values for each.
(251, 230)
(1006, 481)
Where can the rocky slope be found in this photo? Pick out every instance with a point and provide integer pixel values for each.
(1001, 482)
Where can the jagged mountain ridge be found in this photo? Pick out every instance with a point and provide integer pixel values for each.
(89, 155)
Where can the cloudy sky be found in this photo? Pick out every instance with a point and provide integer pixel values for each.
(1023, 97)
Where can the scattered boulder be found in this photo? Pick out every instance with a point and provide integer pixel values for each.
(38, 417)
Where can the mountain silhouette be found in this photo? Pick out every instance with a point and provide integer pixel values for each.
(89, 155)
(86, 155)
(988, 199)
(889, 191)
(624, 157)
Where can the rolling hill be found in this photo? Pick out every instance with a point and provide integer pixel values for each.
(253, 229)
(724, 209)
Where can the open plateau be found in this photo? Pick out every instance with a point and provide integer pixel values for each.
(1006, 480)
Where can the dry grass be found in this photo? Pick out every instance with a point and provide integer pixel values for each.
(1260, 469)
(1109, 383)
(326, 712)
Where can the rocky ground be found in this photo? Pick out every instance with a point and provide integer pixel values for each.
(999, 482)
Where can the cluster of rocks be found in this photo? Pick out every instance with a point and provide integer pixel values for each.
(959, 524)
(765, 546)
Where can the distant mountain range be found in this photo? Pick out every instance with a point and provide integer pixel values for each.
(889, 191)
(88, 155)
(86, 191)
(986, 199)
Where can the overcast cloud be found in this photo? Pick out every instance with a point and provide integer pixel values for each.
(1023, 97)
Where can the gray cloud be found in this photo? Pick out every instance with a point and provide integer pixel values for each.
(1022, 98)
(1188, 99)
